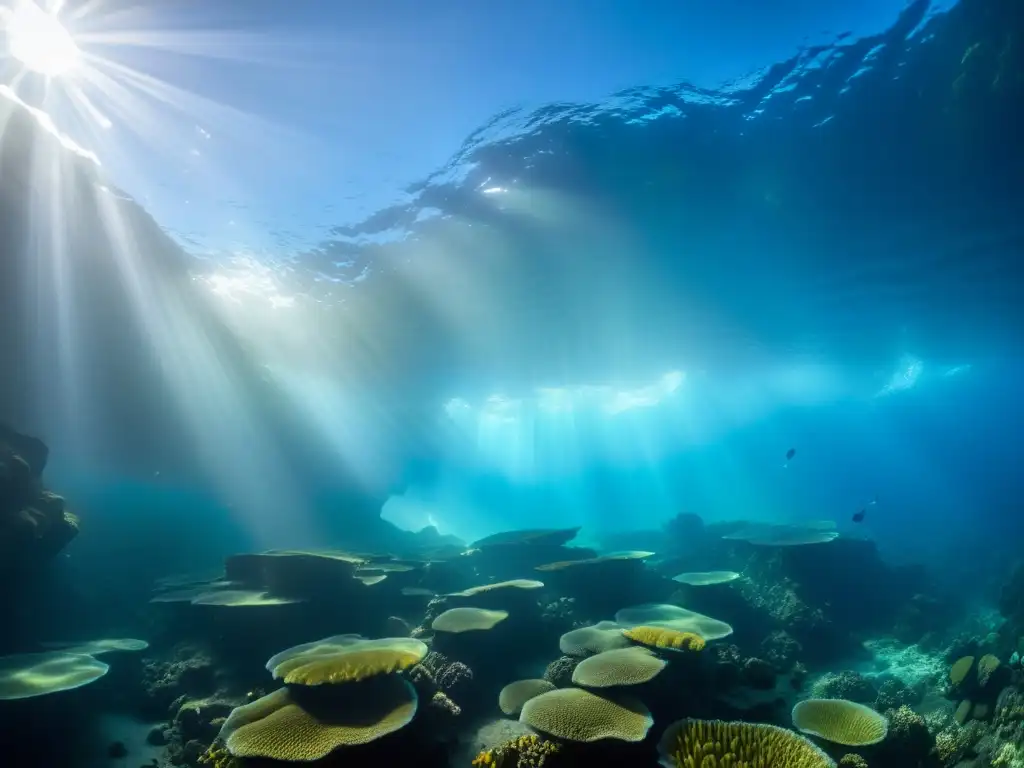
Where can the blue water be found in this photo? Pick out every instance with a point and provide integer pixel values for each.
(603, 314)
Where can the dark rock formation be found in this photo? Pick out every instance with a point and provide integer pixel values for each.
(34, 524)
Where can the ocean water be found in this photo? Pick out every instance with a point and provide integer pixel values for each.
(770, 330)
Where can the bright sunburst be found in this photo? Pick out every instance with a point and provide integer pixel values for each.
(85, 73)
(38, 40)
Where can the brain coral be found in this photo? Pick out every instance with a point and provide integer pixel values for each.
(345, 658)
(276, 727)
(624, 666)
(840, 721)
(577, 715)
(718, 744)
(663, 637)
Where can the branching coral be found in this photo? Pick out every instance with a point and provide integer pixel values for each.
(524, 752)
(450, 676)
(440, 701)
(217, 756)
(717, 744)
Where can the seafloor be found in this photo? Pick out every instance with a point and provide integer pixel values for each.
(701, 645)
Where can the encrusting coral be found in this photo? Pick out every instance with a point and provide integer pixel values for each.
(217, 756)
(345, 658)
(662, 637)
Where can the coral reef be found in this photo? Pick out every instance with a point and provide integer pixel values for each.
(523, 752)
(840, 722)
(698, 744)
(560, 670)
(894, 693)
(846, 684)
(909, 742)
(187, 671)
(346, 692)
(452, 677)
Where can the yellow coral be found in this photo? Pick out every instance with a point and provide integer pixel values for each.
(573, 714)
(624, 666)
(345, 659)
(346, 667)
(960, 668)
(718, 744)
(217, 756)
(963, 711)
(1009, 756)
(526, 751)
(840, 721)
(277, 728)
(467, 620)
(514, 695)
(987, 664)
(662, 637)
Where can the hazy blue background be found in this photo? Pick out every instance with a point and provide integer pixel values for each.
(598, 310)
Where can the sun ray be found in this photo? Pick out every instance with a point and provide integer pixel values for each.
(38, 40)
(103, 92)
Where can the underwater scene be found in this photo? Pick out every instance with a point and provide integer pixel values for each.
(509, 385)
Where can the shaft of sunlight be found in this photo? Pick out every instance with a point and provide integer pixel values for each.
(37, 39)
(242, 460)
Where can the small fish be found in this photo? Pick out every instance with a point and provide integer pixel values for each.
(858, 517)
(789, 457)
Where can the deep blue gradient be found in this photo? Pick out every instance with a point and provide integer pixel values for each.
(380, 94)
